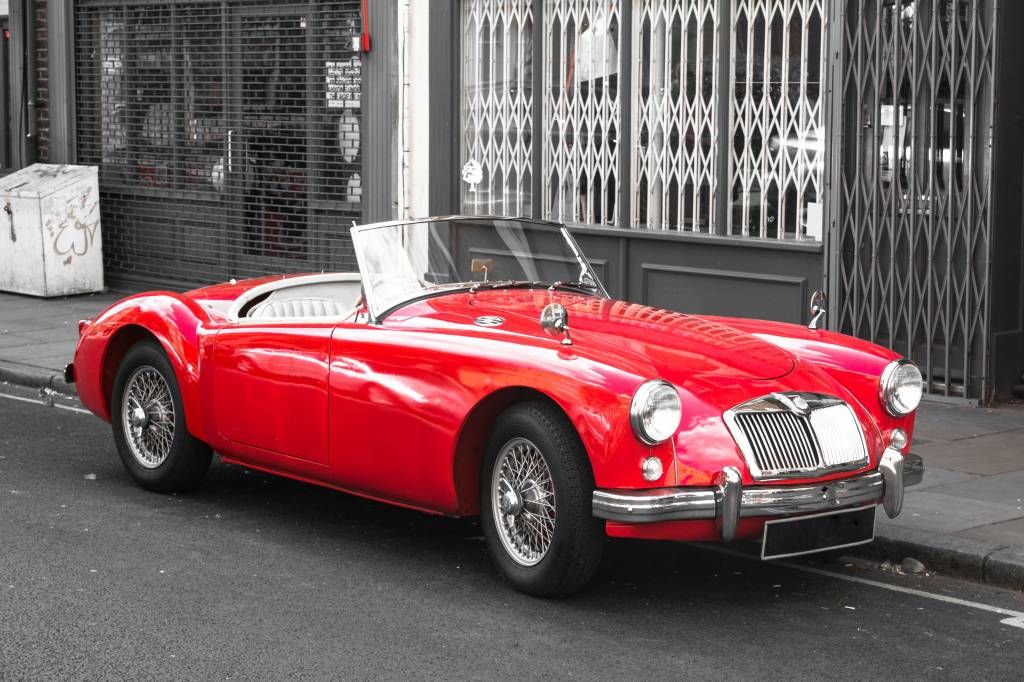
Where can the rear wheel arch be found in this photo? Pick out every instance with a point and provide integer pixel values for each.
(475, 433)
(121, 342)
(118, 346)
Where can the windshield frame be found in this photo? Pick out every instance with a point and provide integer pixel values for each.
(377, 315)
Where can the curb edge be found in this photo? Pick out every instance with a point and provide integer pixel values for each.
(35, 377)
(991, 563)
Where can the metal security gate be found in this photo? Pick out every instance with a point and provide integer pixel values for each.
(227, 134)
(913, 198)
(682, 140)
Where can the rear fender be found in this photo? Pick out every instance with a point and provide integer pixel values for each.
(172, 320)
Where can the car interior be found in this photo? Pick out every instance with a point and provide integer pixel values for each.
(336, 295)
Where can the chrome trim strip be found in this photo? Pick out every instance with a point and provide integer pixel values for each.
(660, 504)
(728, 501)
(674, 504)
(891, 467)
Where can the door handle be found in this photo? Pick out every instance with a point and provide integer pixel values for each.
(231, 151)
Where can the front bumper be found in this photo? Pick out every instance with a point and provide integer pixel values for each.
(728, 501)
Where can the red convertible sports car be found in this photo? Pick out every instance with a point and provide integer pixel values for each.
(477, 366)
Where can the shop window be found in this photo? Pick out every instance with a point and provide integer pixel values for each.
(725, 123)
(497, 107)
(777, 150)
(582, 41)
(675, 160)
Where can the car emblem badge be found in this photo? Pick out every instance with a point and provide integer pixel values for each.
(796, 404)
(489, 321)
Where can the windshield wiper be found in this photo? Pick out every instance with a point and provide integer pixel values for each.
(578, 285)
(503, 284)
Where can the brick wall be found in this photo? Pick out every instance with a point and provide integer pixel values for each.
(42, 73)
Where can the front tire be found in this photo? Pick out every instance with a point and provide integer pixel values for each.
(536, 488)
(148, 419)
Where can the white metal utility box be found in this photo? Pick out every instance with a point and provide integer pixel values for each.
(50, 242)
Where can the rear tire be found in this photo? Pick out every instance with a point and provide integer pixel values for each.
(536, 490)
(148, 418)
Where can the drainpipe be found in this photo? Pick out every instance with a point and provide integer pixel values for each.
(31, 85)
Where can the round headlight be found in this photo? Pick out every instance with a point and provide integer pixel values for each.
(901, 388)
(655, 411)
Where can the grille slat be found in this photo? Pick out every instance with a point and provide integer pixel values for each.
(782, 443)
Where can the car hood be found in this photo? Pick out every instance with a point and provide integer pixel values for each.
(680, 348)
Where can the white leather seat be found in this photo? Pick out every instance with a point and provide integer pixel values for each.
(297, 307)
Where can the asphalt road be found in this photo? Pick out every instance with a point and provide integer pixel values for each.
(257, 577)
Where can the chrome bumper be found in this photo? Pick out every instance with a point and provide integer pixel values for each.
(728, 501)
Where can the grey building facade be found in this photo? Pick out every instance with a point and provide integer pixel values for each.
(714, 156)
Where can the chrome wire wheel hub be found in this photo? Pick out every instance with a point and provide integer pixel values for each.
(523, 501)
(147, 415)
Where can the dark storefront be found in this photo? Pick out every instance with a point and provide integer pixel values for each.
(227, 134)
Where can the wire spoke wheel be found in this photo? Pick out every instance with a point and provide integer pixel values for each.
(523, 501)
(147, 414)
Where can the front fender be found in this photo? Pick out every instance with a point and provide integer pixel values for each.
(855, 363)
(174, 321)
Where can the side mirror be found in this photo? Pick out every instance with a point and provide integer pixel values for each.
(818, 301)
(554, 319)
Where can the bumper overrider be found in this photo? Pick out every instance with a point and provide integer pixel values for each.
(728, 501)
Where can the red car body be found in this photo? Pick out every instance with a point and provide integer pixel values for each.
(401, 410)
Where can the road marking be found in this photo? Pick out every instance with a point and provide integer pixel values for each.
(40, 402)
(1015, 618)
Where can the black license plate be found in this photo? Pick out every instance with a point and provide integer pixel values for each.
(818, 533)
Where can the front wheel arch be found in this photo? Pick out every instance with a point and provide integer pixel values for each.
(474, 435)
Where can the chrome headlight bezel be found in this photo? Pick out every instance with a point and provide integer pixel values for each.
(893, 379)
(640, 411)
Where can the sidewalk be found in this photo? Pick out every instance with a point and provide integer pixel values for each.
(966, 518)
(38, 336)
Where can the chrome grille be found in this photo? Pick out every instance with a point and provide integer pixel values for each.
(797, 434)
(839, 436)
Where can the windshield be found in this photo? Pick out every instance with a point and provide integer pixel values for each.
(405, 261)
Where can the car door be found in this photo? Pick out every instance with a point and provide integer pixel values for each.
(270, 389)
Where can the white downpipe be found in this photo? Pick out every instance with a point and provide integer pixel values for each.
(414, 94)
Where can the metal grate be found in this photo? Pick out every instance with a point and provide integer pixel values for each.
(779, 443)
(913, 197)
(675, 110)
(227, 134)
(777, 130)
(582, 39)
(497, 106)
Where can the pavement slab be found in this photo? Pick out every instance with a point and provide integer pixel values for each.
(935, 476)
(931, 511)
(939, 422)
(1009, 533)
(986, 455)
(14, 340)
(1006, 489)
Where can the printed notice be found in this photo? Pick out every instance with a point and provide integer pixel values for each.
(343, 83)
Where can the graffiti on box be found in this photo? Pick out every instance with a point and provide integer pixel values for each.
(72, 226)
